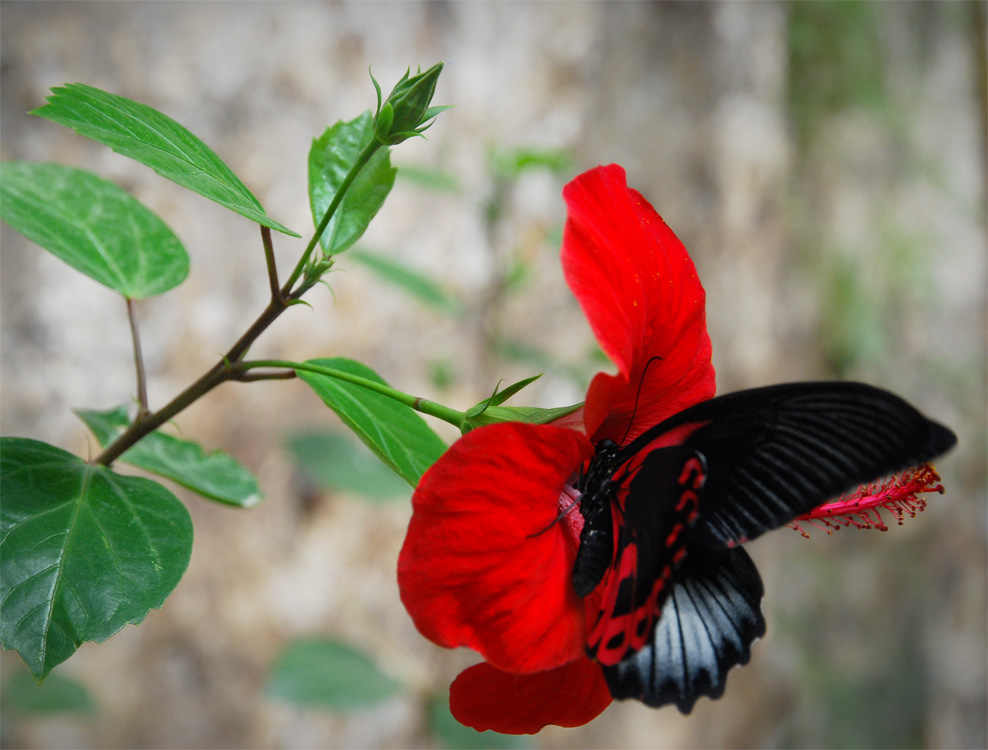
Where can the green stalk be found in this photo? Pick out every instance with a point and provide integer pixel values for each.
(365, 156)
(231, 366)
(421, 405)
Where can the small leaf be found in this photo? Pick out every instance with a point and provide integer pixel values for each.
(413, 282)
(499, 397)
(432, 112)
(502, 396)
(444, 726)
(330, 159)
(335, 461)
(83, 551)
(142, 133)
(432, 179)
(518, 274)
(510, 163)
(442, 373)
(394, 432)
(216, 475)
(324, 673)
(528, 414)
(94, 226)
(56, 695)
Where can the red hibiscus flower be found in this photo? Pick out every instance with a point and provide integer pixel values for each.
(644, 592)
(485, 564)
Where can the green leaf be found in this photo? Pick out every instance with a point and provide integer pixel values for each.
(56, 695)
(323, 673)
(442, 373)
(431, 179)
(453, 734)
(499, 397)
(418, 285)
(335, 461)
(155, 140)
(94, 226)
(83, 551)
(529, 414)
(330, 158)
(511, 162)
(394, 432)
(532, 414)
(214, 475)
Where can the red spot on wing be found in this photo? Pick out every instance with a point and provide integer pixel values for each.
(608, 641)
(617, 633)
(694, 474)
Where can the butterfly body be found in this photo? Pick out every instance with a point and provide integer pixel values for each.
(663, 515)
(596, 549)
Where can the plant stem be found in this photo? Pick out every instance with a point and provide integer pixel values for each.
(146, 422)
(269, 315)
(142, 426)
(365, 156)
(250, 377)
(269, 261)
(422, 405)
(231, 367)
(142, 388)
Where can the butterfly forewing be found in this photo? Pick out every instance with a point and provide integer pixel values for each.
(654, 504)
(780, 451)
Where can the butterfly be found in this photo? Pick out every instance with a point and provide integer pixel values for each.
(663, 518)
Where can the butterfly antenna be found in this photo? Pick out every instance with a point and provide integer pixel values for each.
(637, 397)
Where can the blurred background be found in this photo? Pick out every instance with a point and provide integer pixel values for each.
(823, 162)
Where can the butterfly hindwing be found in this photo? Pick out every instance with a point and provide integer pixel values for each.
(709, 621)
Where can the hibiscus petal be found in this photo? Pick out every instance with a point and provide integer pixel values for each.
(485, 563)
(644, 301)
(484, 698)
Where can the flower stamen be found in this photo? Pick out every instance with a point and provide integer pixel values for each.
(899, 494)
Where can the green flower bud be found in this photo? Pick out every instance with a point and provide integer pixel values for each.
(383, 122)
(406, 111)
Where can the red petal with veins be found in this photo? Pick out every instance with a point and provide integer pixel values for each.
(484, 698)
(485, 563)
(643, 299)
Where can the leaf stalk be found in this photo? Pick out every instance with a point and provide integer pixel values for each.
(424, 406)
(365, 156)
(142, 388)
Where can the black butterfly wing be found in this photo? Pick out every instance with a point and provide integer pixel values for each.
(655, 502)
(779, 451)
(710, 618)
(713, 476)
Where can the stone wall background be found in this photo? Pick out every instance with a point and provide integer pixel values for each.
(824, 164)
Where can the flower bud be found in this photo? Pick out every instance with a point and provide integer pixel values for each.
(406, 111)
(383, 121)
